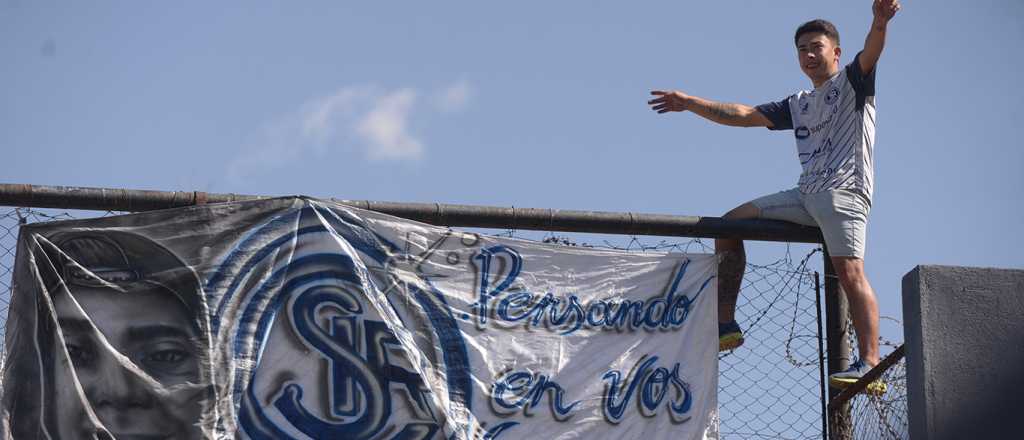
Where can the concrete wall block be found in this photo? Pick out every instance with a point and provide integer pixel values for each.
(964, 336)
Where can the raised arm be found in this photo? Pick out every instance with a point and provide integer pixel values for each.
(734, 115)
(883, 11)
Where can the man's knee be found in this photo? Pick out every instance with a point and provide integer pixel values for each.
(848, 266)
(850, 270)
(745, 211)
(734, 246)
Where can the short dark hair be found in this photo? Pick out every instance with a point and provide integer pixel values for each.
(817, 26)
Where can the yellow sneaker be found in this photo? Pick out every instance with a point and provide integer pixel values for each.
(858, 369)
(730, 337)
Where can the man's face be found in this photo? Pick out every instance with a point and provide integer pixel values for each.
(819, 56)
(148, 389)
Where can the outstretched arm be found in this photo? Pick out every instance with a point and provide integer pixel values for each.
(883, 11)
(734, 115)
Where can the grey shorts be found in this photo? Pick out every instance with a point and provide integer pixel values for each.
(842, 216)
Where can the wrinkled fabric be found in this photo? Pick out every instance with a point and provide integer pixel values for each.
(296, 318)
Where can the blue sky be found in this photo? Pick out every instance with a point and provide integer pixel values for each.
(534, 104)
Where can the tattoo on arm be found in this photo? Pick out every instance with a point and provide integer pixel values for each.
(724, 112)
(736, 115)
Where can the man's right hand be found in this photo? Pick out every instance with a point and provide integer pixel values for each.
(735, 115)
(669, 101)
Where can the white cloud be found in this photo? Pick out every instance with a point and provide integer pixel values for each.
(454, 97)
(324, 119)
(358, 118)
(385, 128)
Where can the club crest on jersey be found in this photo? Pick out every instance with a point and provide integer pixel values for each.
(832, 95)
(804, 107)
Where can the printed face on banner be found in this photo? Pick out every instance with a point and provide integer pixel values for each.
(133, 343)
(302, 319)
(150, 330)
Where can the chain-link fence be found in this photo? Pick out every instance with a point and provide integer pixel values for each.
(871, 416)
(885, 416)
(769, 388)
(10, 221)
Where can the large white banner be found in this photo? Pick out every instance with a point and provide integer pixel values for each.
(296, 318)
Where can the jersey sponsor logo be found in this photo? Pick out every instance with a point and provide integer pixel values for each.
(814, 176)
(819, 126)
(832, 96)
(825, 147)
(803, 131)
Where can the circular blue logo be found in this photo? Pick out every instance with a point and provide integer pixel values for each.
(832, 95)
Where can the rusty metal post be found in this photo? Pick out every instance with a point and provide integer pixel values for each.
(838, 348)
(822, 381)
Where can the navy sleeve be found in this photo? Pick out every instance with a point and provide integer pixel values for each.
(863, 85)
(778, 113)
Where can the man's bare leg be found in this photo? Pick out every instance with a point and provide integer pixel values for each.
(733, 262)
(863, 306)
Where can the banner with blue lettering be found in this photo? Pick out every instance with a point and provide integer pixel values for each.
(296, 318)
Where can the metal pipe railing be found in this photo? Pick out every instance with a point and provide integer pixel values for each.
(627, 223)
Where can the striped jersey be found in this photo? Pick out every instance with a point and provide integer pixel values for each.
(834, 126)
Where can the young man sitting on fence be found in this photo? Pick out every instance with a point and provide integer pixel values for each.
(834, 125)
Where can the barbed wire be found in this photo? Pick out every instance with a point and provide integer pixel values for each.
(882, 416)
(770, 387)
(870, 417)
